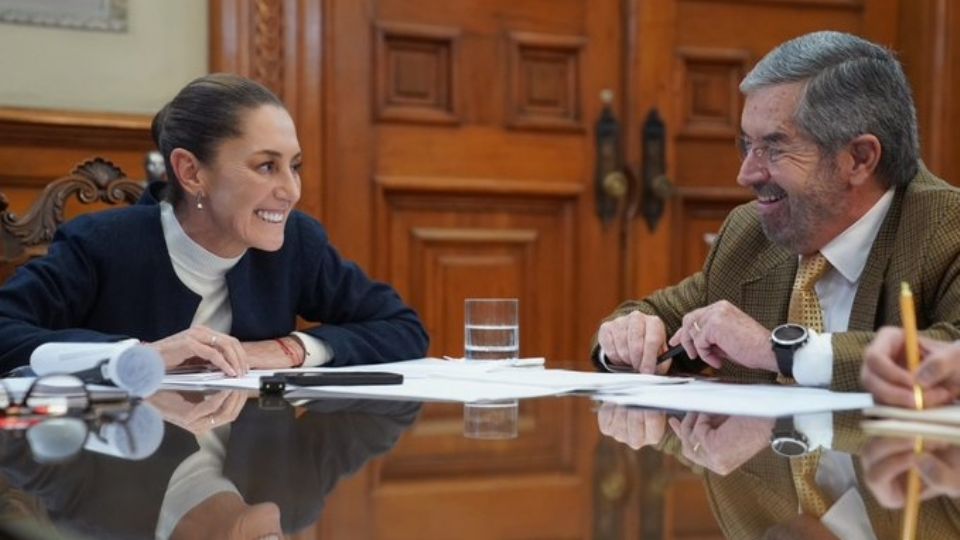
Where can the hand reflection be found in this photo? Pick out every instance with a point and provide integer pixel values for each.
(888, 460)
(630, 425)
(721, 443)
(198, 417)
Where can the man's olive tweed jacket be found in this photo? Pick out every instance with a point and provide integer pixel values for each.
(918, 242)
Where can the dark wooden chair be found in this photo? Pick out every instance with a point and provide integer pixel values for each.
(94, 180)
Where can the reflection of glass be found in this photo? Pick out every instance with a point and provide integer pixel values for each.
(491, 328)
(491, 419)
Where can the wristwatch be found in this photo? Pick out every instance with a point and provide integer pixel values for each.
(786, 339)
(786, 440)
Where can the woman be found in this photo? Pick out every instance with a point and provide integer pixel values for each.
(220, 270)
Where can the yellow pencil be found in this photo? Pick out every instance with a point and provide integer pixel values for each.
(909, 318)
(911, 511)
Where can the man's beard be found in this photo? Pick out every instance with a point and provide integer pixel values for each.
(793, 227)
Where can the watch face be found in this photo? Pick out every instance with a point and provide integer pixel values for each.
(789, 447)
(789, 334)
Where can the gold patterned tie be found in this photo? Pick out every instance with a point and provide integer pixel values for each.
(804, 305)
(805, 310)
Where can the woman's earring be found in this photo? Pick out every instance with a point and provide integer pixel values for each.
(200, 200)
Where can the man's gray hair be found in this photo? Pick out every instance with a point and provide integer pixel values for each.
(852, 87)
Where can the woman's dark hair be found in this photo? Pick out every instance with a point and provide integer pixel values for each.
(204, 114)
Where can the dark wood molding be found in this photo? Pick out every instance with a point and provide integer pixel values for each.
(43, 127)
(479, 186)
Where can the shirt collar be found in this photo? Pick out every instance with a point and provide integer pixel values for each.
(848, 252)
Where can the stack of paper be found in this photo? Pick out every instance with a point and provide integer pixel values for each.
(431, 379)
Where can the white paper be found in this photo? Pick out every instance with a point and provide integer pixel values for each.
(432, 379)
(740, 399)
(417, 387)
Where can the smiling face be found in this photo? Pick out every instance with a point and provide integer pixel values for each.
(800, 199)
(251, 186)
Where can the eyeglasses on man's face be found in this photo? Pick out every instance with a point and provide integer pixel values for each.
(768, 151)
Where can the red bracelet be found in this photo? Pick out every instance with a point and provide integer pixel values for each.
(297, 362)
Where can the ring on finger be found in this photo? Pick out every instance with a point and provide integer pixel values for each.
(213, 340)
(696, 326)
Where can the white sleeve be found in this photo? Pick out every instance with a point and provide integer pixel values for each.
(317, 350)
(813, 363)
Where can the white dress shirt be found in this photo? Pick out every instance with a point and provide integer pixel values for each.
(847, 254)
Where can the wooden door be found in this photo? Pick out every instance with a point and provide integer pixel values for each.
(459, 164)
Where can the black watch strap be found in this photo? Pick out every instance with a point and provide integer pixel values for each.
(785, 360)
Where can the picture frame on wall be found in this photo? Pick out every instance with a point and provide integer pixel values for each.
(96, 15)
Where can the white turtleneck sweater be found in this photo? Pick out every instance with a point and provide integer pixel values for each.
(205, 274)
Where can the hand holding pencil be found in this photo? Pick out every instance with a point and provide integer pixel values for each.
(886, 375)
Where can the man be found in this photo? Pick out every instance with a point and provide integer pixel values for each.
(886, 376)
(829, 147)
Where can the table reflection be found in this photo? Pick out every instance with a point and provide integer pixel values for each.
(755, 491)
(226, 467)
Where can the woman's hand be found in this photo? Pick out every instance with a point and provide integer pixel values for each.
(215, 410)
(283, 353)
(200, 343)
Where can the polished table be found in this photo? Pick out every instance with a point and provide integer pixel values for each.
(206, 464)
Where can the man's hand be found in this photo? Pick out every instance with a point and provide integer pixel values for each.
(634, 339)
(885, 374)
(888, 460)
(721, 443)
(632, 426)
(721, 332)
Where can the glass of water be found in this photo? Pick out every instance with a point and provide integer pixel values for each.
(491, 328)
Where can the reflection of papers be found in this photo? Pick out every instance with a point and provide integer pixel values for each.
(939, 415)
(426, 389)
(740, 399)
(941, 423)
(905, 428)
(433, 379)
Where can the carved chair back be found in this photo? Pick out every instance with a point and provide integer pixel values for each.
(94, 180)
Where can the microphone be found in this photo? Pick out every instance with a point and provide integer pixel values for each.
(128, 365)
